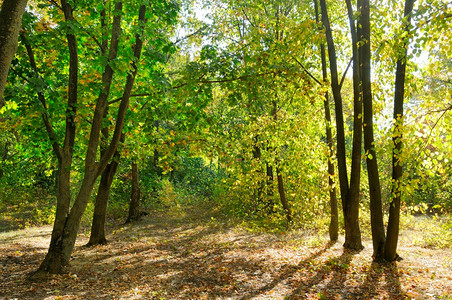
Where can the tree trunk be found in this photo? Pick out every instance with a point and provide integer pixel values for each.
(282, 195)
(376, 210)
(333, 229)
(64, 155)
(10, 24)
(57, 257)
(270, 180)
(97, 236)
(390, 251)
(155, 164)
(349, 193)
(61, 247)
(134, 207)
(279, 178)
(351, 208)
(340, 131)
(259, 192)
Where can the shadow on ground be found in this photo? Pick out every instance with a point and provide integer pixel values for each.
(186, 255)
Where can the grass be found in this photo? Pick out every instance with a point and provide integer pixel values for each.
(428, 231)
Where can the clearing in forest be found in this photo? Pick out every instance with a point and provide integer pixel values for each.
(182, 254)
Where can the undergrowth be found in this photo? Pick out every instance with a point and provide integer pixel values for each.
(428, 231)
(34, 207)
(25, 207)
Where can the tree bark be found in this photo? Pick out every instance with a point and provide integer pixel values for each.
(390, 251)
(64, 156)
(63, 236)
(97, 236)
(333, 229)
(10, 24)
(376, 210)
(134, 207)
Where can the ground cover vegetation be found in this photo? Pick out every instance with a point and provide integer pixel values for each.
(297, 121)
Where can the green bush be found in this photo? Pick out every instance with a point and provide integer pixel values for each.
(24, 206)
(197, 179)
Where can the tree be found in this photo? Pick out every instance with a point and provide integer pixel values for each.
(376, 210)
(390, 250)
(67, 220)
(349, 191)
(10, 24)
(334, 222)
(97, 235)
(134, 207)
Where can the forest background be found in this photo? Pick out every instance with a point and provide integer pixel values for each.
(277, 114)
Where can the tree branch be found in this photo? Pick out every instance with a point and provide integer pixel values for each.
(111, 149)
(345, 73)
(190, 35)
(198, 81)
(131, 96)
(45, 115)
(306, 71)
(80, 25)
(71, 110)
(101, 103)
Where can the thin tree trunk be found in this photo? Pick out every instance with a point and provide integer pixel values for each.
(63, 236)
(257, 154)
(279, 178)
(155, 166)
(376, 210)
(97, 236)
(134, 207)
(103, 194)
(351, 207)
(157, 172)
(340, 131)
(390, 251)
(64, 156)
(334, 214)
(333, 228)
(10, 24)
(270, 180)
(282, 194)
(55, 261)
(349, 193)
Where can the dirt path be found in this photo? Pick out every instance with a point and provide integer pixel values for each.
(190, 256)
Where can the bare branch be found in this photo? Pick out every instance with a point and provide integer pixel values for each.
(200, 30)
(306, 71)
(345, 73)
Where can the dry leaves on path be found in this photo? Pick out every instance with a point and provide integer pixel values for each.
(180, 255)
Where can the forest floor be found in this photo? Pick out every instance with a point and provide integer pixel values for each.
(183, 254)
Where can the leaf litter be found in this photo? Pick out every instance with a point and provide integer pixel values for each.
(176, 255)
